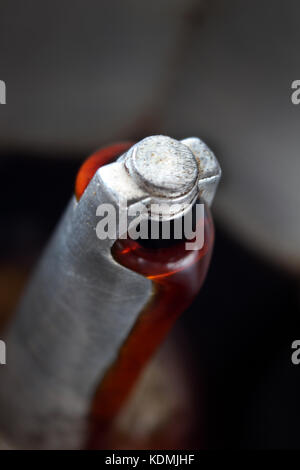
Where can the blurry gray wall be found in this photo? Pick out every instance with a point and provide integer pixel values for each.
(83, 73)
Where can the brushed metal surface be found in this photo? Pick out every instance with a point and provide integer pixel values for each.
(81, 305)
(77, 311)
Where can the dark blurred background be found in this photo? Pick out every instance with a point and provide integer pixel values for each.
(82, 74)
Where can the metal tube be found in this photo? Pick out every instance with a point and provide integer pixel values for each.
(81, 304)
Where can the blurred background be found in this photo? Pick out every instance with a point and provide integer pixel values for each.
(82, 74)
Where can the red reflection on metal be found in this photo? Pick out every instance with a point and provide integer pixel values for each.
(177, 275)
(94, 162)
